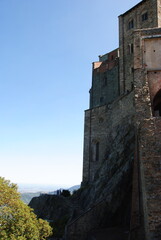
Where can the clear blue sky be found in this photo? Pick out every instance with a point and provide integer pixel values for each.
(46, 51)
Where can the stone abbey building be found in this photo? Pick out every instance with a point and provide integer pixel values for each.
(122, 135)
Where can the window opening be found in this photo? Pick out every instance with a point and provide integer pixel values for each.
(131, 24)
(101, 99)
(132, 48)
(157, 104)
(132, 70)
(144, 16)
(101, 120)
(97, 151)
(104, 79)
(129, 49)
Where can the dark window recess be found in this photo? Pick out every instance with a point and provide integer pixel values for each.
(97, 151)
(132, 48)
(132, 85)
(144, 16)
(132, 70)
(129, 49)
(131, 24)
(112, 57)
(105, 81)
(101, 99)
(101, 120)
(157, 104)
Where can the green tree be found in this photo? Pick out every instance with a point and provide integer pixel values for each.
(17, 220)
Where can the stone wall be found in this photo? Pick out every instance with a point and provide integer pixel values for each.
(140, 68)
(103, 126)
(105, 80)
(159, 13)
(126, 37)
(150, 172)
(146, 209)
(108, 198)
(154, 80)
(147, 82)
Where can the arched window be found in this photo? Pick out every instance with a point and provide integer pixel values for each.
(157, 104)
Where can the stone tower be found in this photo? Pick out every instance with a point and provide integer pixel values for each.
(126, 92)
(121, 184)
(104, 90)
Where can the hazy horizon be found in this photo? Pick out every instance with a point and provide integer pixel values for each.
(24, 187)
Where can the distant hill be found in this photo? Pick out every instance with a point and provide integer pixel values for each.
(33, 188)
(75, 187)
(71, 189)
(26, 197)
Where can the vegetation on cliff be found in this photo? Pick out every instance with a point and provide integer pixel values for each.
(17, 220)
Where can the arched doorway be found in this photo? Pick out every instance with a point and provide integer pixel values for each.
(157, 104)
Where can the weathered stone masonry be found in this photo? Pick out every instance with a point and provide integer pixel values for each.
(124, 123)
(147, 76)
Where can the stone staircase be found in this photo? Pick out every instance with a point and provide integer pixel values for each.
(87, 226)
(109, 234)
